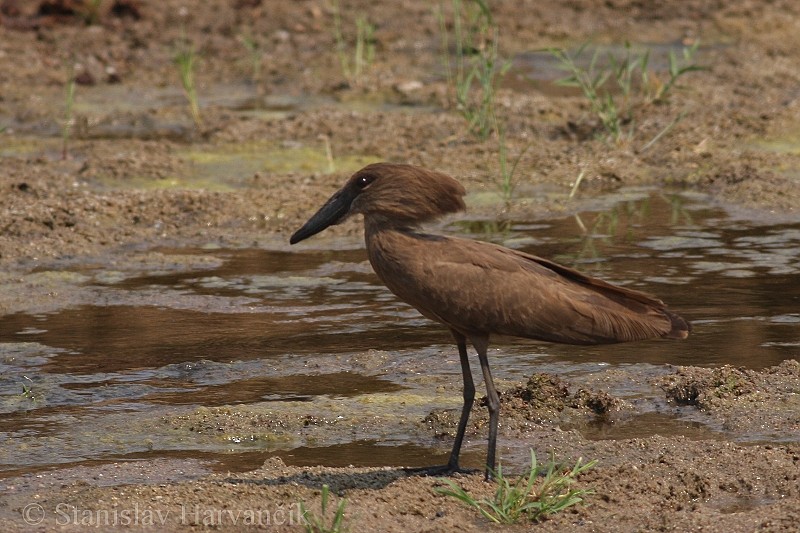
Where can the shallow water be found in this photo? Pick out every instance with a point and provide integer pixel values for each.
(95, 382)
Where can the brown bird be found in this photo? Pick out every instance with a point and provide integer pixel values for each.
(477, 288)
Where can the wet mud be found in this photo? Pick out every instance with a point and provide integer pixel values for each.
(165, 357)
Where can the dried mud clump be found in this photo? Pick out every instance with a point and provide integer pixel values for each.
(442, 422)
(544, 394)
(748, 403)
(716, 388)
(542, 399)
(705, 387)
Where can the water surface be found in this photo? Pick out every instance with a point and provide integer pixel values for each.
(97, 382)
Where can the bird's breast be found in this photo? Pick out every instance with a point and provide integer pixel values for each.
(399, 259)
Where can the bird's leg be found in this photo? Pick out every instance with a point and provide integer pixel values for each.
(492, 402)
(469, 399)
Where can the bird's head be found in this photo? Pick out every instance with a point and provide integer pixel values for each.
(402, 195)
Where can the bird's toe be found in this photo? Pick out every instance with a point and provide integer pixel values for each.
(440, 470)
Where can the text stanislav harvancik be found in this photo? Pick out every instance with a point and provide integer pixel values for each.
(194, 514)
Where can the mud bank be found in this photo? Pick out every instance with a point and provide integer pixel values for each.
(135, 227)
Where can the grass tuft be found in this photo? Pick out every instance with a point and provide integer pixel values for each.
(477, 63)
(254, 54)
(69, 103)
(356, 61)
(186, 60)
(319, 523)
(621, 87)
(525, 497)
(507, 183)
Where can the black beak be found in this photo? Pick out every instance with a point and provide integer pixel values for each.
(333, 212)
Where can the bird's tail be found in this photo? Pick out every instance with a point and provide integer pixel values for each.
(680, 327)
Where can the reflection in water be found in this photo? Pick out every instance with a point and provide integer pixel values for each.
(267, 326)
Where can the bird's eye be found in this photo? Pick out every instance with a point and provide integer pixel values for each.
(363, 181)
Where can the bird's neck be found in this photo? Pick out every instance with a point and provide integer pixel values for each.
(377, 225)
(396, 253)
(389, 244)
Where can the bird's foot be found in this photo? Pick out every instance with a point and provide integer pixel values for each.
(439, 470)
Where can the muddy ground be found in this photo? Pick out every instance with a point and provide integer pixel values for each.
(123, 189)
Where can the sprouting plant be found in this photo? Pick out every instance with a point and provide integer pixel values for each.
(254, 54)
(364, 52)
(354, 63)
(527, 498)
(677, 68)
(635, 86)
(89, 10)
(475, 38)
(474, 76)
(27, 390)
(507, 170)
(326, 141)
(69, 101)
(319, 523)
(591, 81)
(186, 59)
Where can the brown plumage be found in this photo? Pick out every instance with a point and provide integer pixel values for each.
(476, 288)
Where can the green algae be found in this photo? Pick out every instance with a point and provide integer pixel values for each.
(235, 164)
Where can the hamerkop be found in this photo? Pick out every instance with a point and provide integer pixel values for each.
(477, 288)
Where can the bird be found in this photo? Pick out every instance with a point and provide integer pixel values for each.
(478, 289)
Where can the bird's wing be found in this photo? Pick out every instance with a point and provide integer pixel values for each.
(479, 287)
